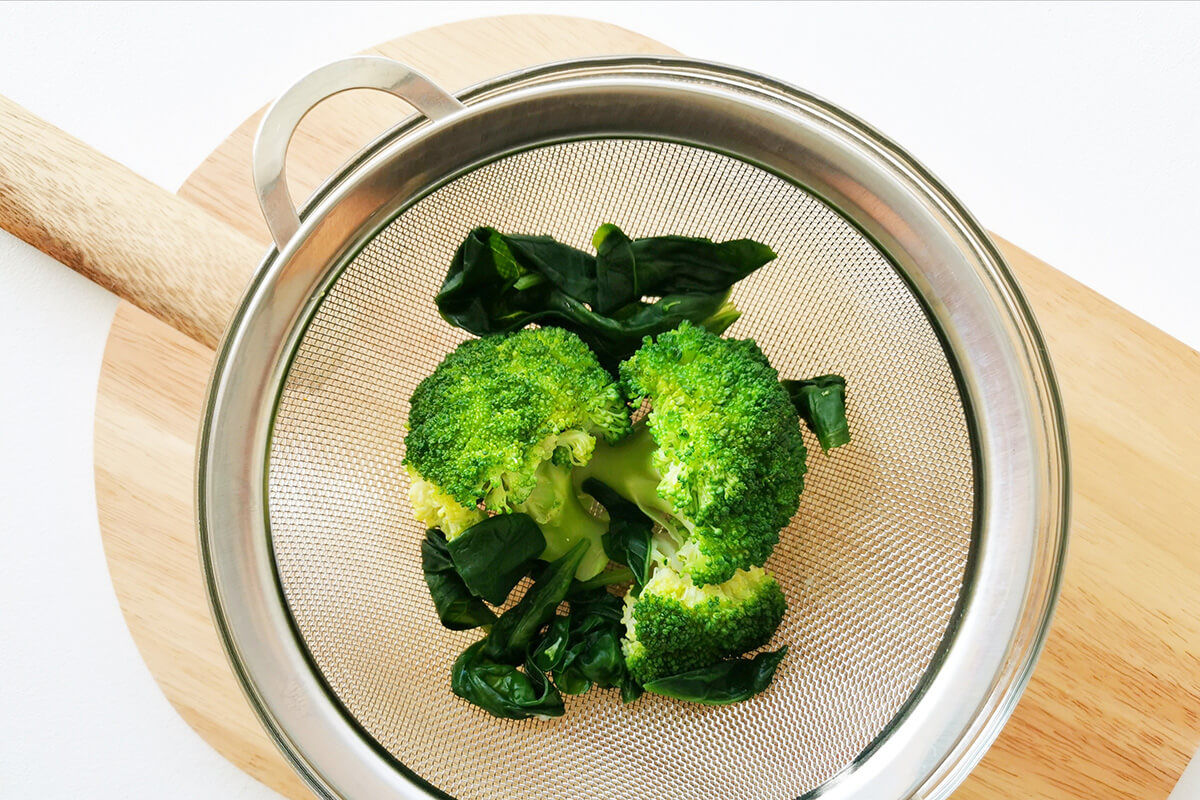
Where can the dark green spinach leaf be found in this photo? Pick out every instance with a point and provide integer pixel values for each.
(722, 683)
(570, 270)
(457, 608)
(629, 269)
(570, 679)
(514, 633)
(599, 659)
(591, 609)
(493, 555)
(630, 689)
(593, 655)
(501, 689)
(630, 532)
(479, 293)
(550, 650)
(821, 402)
(615, 338)
(499, 283)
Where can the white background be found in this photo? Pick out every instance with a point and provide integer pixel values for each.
(1070, 129)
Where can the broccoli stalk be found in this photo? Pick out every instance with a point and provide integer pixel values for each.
(675, 625)
(719, 461)
(498, 427)
(628, 469)
(556, 507)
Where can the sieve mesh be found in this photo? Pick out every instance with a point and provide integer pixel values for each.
(872, 564)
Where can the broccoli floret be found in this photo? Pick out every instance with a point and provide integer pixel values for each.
(436, 509)
(719, 462)
(499, 426)
(673, 625)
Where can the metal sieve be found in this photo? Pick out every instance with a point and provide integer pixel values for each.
(921, 567)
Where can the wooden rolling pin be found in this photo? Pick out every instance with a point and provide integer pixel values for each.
(118, 229)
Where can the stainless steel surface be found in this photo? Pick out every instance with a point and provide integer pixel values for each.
(281, 119)
(923, 564)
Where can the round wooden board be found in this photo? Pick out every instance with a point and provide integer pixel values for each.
(1114, 708)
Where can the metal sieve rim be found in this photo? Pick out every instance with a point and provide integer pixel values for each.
(1024, 435)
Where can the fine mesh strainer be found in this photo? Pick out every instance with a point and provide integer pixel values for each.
(922, 564)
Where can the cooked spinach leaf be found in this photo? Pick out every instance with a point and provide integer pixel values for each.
(595, 638)
(571, 270)
(501, 689)
(493, 555)
(596, 654)
(487, 290)
(821, 402)
(615, 338)
(549, 652)
(499, 283)
(591, 609)
(457, 608)
(722, 683)
(517, 628)
(630, 269)
(593, 654)
(569, 679)
(629, 535)
(630, 689)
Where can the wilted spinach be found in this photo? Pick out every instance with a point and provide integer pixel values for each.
(629, 535)
(593, 653)
(457, 608)
(570, 680)
(499, 283)
(495, 281)
(596, 631)
(515, 631)
(630, 689)
(722, 683)
(549, 652)
(493, 555)
(501, 689)
(821, 402)
(630, 269)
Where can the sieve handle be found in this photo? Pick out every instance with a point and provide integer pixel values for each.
(285, 114)
(118, 229)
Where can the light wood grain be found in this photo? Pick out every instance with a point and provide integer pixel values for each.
(147, 416)
(1113, 710)
(119, 229)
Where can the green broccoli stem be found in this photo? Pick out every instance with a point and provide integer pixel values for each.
(556, 507)
(627, 469)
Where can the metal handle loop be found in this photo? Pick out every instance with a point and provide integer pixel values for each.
(284, 115)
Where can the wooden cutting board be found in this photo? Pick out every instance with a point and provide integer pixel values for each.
(1113, 710)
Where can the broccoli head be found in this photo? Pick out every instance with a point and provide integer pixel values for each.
(498, 427)
(719, 462)
(673, 625)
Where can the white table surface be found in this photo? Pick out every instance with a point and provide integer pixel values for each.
(1069, 129)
